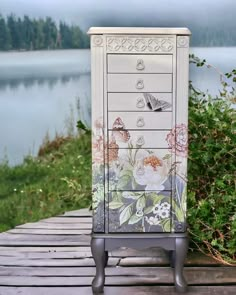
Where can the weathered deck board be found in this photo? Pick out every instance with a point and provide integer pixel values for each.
(39, 231)
(64, 220)
(53, 257)
(163, 276)
(117, 290)
(81, 212)
(48, 276)
(28, 249)
(7, 239)
(44, 225)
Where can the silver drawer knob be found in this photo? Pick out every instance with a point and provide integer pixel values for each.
(139, 84)
(140, 103)
(140, 65)
(140, 122)
(140, 141)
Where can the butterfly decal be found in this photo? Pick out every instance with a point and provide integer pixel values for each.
(155, 104)
(119, 132)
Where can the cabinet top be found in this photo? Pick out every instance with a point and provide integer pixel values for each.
(138, 31)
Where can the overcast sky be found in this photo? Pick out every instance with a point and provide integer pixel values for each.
(88, 13)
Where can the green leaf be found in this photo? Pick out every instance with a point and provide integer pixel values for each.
(141, 203)
(156, 198)
(134, 219)
(115, 205)
(178, 212)
(148, 210)
(125, 179)
(184, 197)
(131, 195)
(80, 125)
(117, 196)
(126, 172)
(167, 156)
(166, 226)
(126, 214)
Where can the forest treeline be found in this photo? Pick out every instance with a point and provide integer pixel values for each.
(25, 33)
(34, 34)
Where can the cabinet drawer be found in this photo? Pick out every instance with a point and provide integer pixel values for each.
(139, 82)
(142, 169)
(137, 63)
(139, 120)
(140, 211)
(138, 102)
(140, 139)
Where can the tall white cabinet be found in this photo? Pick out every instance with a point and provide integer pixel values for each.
(139, 142)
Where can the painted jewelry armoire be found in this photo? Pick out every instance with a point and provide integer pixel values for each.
(139, 143)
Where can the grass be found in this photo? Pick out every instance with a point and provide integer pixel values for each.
(58, 180)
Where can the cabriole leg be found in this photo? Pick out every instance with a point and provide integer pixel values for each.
(181, 248)
(106, 258)
(99, 256)
(172, 258)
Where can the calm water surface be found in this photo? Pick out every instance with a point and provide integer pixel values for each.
(41, 91)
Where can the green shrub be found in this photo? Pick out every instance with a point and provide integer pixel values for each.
(211, 170)
(58, 180)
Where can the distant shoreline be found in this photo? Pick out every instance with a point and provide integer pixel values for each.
(56, 49)
(65, 49)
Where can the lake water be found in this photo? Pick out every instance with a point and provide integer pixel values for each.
(46, 91)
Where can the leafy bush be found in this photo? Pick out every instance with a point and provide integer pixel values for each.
(212, 167)
(58, 180)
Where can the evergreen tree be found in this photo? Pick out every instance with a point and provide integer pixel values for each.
(50, 33)
(14, 30)
(5, 39)
(27, 33)
(66, 36)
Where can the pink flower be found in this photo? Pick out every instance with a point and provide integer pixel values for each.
(97, 142)
(177, 140)
(97, 150)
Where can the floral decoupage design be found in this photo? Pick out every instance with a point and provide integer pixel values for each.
(178, 143)
(98, 178)
(140, 182)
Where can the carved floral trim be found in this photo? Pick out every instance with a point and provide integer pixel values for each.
(182, 41)
(140, 44)
(97, 40)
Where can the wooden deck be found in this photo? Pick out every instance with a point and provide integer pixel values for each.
(53, 257)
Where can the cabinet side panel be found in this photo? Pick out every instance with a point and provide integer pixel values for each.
(180, 132)
(97, 133)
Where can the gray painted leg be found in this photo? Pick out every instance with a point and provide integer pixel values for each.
(106, 258)
(181, 248)
(172, 258)
(98, 251)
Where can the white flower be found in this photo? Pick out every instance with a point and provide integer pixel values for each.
(156, 209)
(165, 205)
(152, 220)
(164, 213)
(15, 189)
(152, 172)
(162, 210)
